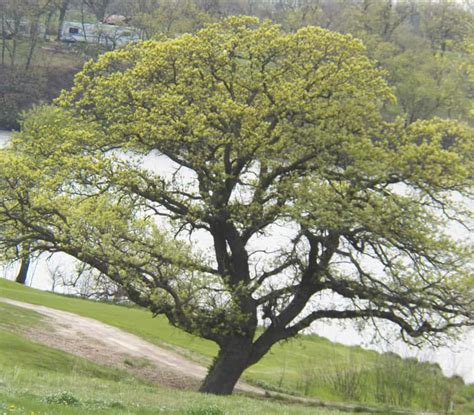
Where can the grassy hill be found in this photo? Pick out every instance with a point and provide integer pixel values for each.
(309, 365)
(35, 379)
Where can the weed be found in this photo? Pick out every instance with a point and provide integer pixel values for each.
(395, 381)
(348, 382)
(138, 362)
(307, 380)
(209, 410)
(62, 398)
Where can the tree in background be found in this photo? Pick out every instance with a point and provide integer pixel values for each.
(98, 7)
(419, 44)
(170, 18)
(446, 23)
(63, 6)
(288, 198)
(21, 23)
(469, 71)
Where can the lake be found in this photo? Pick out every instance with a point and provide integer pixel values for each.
(456, 359)
(4, 135)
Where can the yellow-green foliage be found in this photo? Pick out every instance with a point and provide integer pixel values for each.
(274, 129)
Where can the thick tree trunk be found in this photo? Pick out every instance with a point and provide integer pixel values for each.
(232, 360)
(23, 272)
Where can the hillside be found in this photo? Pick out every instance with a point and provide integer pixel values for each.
(41, 380)
(309, 366)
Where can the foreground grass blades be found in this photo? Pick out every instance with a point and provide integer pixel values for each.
(35, 379)
(310, 365)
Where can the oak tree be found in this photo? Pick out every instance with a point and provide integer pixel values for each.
(277, 195)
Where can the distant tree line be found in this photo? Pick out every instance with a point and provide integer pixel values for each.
(423, 45)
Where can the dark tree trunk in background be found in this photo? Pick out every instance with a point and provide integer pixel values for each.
(98, 7)
(34, 34)
(23, 272)
(62, 16)
(47, 25)
(4, 39)
(232, 360)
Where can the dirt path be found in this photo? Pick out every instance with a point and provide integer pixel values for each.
(111, 346)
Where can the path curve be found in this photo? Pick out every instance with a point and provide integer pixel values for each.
(109, 345)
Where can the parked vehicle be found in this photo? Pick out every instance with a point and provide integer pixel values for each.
(99, 33)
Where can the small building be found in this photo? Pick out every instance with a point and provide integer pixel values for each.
(98, 33)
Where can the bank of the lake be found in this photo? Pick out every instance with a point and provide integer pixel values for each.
(4, 136)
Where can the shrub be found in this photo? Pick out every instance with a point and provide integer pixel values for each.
(20, 90)
(62, 398)
(348, 382)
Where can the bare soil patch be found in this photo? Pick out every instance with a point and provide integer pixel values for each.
(111, 346)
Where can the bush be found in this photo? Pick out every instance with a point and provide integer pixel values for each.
(396, 381)
(62, 398)
(348, 382)
(20, 90)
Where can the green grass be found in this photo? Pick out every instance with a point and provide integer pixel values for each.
(46, 54)
(308, 365)
(281, 368)
(15, 318)
(35, 379)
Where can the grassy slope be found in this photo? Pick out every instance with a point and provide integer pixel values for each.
(34, 377)
(288, 360)
(309, 364)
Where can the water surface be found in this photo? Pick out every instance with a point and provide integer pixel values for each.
(455, 359)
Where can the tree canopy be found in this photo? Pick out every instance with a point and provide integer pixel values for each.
(279, 194)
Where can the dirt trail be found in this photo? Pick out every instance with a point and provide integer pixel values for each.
(111, 346)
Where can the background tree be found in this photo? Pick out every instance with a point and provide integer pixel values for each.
(170, 18)
(99, 8)
(419, 44)
(445, 23)
(285, 188)
(21, 23)
(62, 6)
(469, 71)
(174, 17)
(23, 254)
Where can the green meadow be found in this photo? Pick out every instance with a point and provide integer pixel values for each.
(39, 379)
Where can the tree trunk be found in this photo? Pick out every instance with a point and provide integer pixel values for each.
(34, 33)
(23, 272)
(4, 40)
(232, 360)
(62, 17)
(47, 25)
